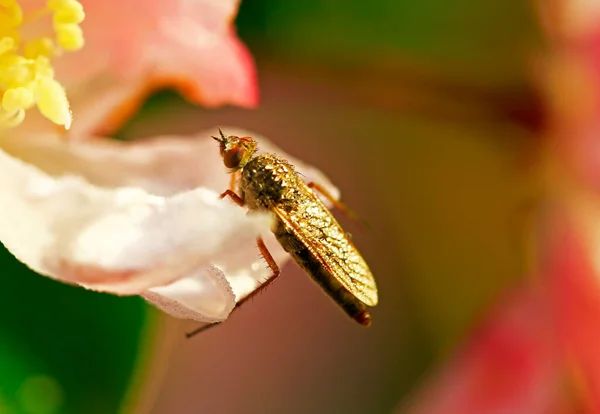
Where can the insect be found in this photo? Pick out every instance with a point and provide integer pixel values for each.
(304, 227)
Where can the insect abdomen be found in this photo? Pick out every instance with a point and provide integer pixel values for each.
(347, 301)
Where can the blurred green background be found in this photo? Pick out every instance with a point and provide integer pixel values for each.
(423, 113)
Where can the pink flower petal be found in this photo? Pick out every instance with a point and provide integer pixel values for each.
(227, 77)
(187, 44)
(137, 47)
(509, 365)
(573, 278)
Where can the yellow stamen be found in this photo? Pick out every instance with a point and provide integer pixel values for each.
(11, 16)
(11, 119)
(52, 102)
(69, 12)
(42, 46)
(6, 44)
(70, 36)
(17, 98)
(26, 72)
(43, 68)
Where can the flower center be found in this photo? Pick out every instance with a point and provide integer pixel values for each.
(26, 73)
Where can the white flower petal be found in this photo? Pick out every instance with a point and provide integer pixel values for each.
(193, 297)
(123, 240)
(128, 240)
(161, 165)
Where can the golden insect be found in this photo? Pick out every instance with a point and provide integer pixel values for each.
(304, 226)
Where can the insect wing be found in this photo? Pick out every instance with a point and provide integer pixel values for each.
(319, 231)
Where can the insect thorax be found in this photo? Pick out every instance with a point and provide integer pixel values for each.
(268, 180)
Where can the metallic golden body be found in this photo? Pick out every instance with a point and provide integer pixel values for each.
(269, 182)
(304, 227)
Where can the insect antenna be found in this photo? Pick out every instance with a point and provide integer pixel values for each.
(221, 138)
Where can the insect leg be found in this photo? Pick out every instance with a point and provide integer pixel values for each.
(232, 182)
(236, 198)
(262, 247)
(343, 207)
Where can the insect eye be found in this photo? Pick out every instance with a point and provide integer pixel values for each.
(233, 157)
